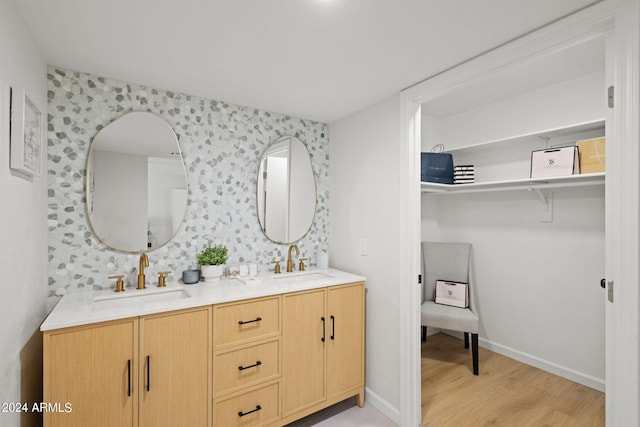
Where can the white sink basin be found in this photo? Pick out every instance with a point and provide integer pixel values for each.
(134, 297)
(282, 278)
(301, 276)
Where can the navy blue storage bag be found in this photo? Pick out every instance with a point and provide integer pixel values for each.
(436, 166)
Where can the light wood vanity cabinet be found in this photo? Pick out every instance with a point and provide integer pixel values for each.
(145, 371)
(258, 362)
(174, 368)
(245, 321)
(293, 362)
(345, 346)
(247, 362)
(94, 369)
(304, 350)
(323, 349)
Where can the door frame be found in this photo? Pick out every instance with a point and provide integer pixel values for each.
(620, 20)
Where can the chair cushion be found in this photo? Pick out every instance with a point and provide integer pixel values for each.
(448, 317)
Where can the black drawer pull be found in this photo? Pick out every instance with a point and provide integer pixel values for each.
(242, 414)
(323, 330)
(148, 373)
(129, 377)
(333, 328)
(242, 322)
(242, 368)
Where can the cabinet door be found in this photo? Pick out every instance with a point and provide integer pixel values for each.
(345, 338)
(303, 350)
(93, 369)
(175, 369)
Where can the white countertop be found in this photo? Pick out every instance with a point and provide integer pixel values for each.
(83, 308)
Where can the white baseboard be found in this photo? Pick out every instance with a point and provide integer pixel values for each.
(387, 409)
(545, 365)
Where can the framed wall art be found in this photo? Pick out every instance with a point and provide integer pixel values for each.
(26, 133)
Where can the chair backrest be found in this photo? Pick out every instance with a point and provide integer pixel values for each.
(444, 261)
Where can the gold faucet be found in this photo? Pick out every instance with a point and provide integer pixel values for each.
(144, 262)
(289, 262)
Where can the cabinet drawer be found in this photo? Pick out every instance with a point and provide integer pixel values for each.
(246, 366)
(244, 321)
(254, 408)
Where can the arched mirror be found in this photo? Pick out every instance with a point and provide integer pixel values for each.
(286, 191)
(136, 188)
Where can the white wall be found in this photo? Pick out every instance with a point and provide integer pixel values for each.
(120, 199)
(302, 203)
(277, 200)
(364, 183)
(23, 230)
(573, 101)
(165, 175)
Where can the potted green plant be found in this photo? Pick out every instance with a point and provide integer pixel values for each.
(211, 260)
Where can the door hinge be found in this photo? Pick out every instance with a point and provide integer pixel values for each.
(610, 290)
(419, 279)
(610, 96)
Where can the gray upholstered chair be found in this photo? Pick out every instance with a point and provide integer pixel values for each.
(449, 261)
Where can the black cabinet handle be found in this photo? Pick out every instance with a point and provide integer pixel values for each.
(242, 414)
(323, 330)
(242, 368)
(148, 373)
(129, 377)
(603, 283)
(242, 322)
(333, 328)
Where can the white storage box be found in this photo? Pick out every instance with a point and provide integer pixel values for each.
(561, 161)
(452, 293)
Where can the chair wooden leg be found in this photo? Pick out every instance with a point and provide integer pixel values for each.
(424, 334)
(474, 351)
(466, 340)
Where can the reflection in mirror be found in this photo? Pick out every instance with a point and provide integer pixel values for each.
(136, 189)
(286, 191)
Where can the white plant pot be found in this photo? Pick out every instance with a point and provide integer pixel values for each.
(211, 273)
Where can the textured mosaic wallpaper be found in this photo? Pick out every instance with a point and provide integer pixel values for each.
(221, 143)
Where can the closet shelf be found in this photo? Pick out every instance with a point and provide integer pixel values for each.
(584, 180)
(557, 133)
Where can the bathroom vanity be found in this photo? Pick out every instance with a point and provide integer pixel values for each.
(264, 351)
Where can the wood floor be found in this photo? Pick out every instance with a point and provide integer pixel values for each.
(506, 393)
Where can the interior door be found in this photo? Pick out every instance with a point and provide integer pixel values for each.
(622, 213)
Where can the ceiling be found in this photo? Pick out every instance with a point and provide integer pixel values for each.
(316, 59)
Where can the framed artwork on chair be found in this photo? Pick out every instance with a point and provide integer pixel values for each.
(26, 134)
